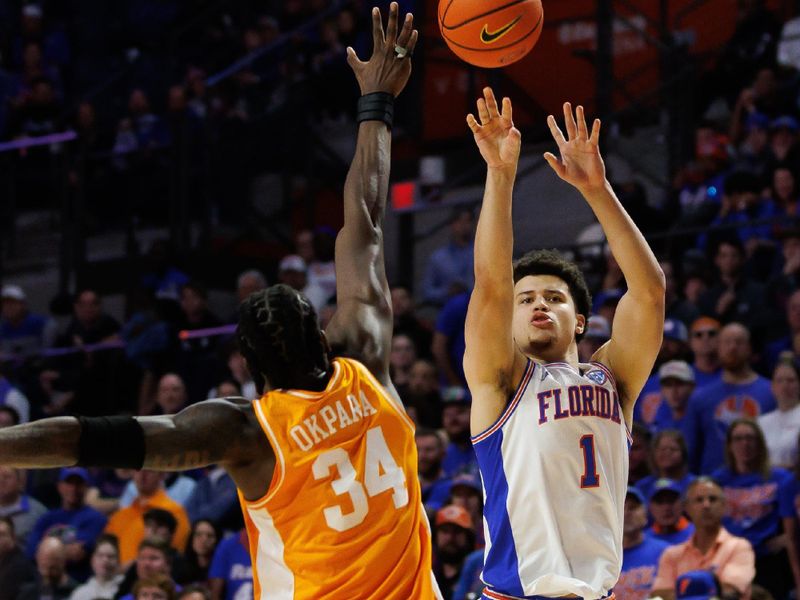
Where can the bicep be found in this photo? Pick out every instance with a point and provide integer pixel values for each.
(635, 341)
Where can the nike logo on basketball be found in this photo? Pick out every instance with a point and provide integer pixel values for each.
(487, 37)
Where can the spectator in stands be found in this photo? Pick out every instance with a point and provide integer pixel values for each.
(450, 270)
(666, 509)
(597, 333)
(669, 460)
(640, 552)
(321, 270)
(53, 582)
(140, 129)
(21, 332)
(676, 307)
(105, 580)
(38, 112)
(8, 416)
(238, 368)
(784, 193)
(171, 395)
(11, 396)
(203, 540)
(152, 559)
(196, 591)
(22, 509)
(160, 587)
(198, 363)
(74, 523)
(676, 379)
(421, 394)
(781, 427)
(791, 327)
(733, 297)
(161, 275)
(448, 341)
(402, 357)
(231, 572)
(783, 139)
(704, 343)
(470, 582)
(407, 322)
(293, 271)
(752, 154)
(128, 523)
(453, 540)
(786, 280)
(466, 491)
(638, 465)
(710, 548)
(248, 282)
(459, 455)
(752, 490)
(214, 498)
(304, 245)
(227, 388)
(15, 568)
(741, 392)
(433, 482)
(89, 324)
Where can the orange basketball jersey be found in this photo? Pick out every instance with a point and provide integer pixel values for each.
(343, 516)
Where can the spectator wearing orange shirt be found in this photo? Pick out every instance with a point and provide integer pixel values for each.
(710, 548)
(128, 523)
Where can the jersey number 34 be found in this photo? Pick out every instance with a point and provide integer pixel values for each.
(381, 473)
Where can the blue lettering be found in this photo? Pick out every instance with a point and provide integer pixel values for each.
(574, 401)
(560, 412)
(543, 406)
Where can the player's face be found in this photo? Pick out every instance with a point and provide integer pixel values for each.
(545, 322)
(666, 508)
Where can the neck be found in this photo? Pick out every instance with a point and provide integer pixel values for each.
(678, 411)
(431, 475)
(740, 374)
(707, 363)
(705, 537)
(745, 466)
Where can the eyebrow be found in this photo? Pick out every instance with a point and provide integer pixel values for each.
(545, 291)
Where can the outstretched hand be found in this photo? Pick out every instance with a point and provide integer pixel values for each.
(386, 70)
(498, 140)
(580, 164)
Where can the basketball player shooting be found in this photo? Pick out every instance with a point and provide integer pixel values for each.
(325, 461)
(552, 435)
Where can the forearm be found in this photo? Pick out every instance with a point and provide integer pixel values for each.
(643, 275)
(367, 185)
(43, 444)
(494, 236)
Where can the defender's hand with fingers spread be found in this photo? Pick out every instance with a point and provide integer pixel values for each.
(497, 138)
(386, 70)
(580, 164)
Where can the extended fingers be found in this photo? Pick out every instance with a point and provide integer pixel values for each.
(569, 121)
(595, 137)
(491, 103)
(377, 29)
(405, 33)
(472, 123)
(483, 112)
(555, 131)
(412, 42)
(391, 26)
(583, 134)
(506, 114)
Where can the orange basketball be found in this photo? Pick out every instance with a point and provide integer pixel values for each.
(491, 33)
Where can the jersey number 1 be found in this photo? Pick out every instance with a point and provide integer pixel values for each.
(381, 473)
(590, 477)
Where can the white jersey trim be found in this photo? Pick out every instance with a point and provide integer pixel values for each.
(274, 575)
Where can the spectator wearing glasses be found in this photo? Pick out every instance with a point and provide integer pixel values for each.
(752, 490)
(704, 343)
(781, 427)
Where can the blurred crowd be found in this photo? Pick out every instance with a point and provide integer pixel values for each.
(714, 466)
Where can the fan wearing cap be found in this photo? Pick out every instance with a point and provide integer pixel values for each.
(21, 331)
(741, 392)
(74, 523)
(711, 547)
(676, 380)
(697, 585)
(674, 346)
(666, 508)
(454, 539)
(641, 553)
(293, 271)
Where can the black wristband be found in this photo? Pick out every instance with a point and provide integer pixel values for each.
(377, 106)
(111, 442)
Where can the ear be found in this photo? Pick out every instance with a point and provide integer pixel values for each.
(580, 324)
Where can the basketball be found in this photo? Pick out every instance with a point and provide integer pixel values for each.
(491, 33)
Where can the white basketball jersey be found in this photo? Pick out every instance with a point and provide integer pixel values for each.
(555, 470)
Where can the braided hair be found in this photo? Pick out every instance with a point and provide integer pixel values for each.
(280, 338)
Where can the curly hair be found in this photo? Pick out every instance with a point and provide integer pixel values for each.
(550, 262)
(280, 338)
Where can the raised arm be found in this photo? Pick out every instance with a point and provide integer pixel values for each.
(639, 320)
(362, 324)
(492, 364)
(222, 432)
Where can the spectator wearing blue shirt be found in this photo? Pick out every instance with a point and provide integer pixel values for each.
(459, 455)
(741, 392)
(214, 497)
(666, 508)
(21, 332)
(640, 553)
(433, 482)
(448, 341)
(450, 270)
(75, 524)
(676, 379)
(752, 492)
(669, 460)
(704, 344)
(231, 572)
